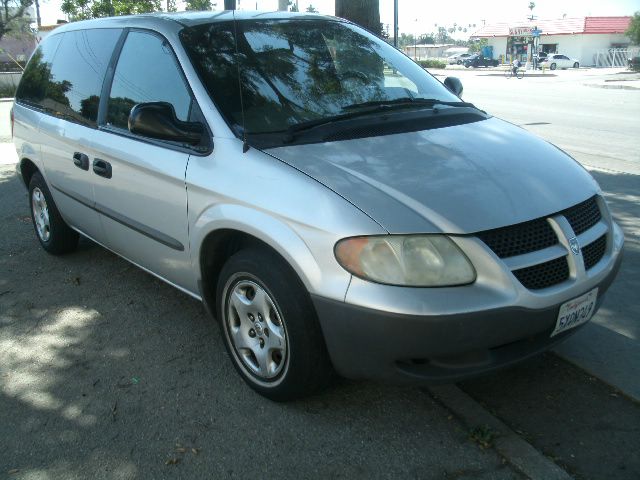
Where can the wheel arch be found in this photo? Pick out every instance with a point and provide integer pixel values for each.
(219, 239)
(27, 168)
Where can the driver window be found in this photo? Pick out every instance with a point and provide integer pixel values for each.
(146, 72)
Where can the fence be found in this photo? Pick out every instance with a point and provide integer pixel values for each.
(615, 57)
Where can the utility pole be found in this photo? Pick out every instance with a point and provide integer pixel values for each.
(38, 19)
(395, 23)
(229, 4)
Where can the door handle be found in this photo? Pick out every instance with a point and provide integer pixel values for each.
(102, 168)
(80, 160)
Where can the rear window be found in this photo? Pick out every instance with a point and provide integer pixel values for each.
(65, 78)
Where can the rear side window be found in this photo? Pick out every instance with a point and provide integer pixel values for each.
(37, 76)
(65, 78)
(147, 71)
(78, 72)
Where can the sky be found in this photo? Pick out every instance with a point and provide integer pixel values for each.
(421, 16)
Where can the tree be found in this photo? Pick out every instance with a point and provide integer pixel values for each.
(84, 9)
(312, 9)
(198, 5)
(633, 32)
(283, 5)
(365, 13)
(12, 15)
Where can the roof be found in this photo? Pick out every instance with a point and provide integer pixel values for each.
(606, 24)
(561, 26)
(163, 21)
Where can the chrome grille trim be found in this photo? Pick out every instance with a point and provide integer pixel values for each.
(590, 226)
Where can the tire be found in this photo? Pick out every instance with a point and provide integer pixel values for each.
(520, 74)
(553, 66)
(270, 327)
(459, 62)
(55, 236)
(576, 65)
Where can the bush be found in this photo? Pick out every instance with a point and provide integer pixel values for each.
(432, 64)
(7, 91)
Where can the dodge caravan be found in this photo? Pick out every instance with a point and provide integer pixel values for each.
(334, 206)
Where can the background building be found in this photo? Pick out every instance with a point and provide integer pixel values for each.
(593, 41)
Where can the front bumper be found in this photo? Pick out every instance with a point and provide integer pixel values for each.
(405, 347)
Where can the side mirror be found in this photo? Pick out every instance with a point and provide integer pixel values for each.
(454, 85)
(158, 120)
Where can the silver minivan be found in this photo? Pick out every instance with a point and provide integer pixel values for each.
(334, 206)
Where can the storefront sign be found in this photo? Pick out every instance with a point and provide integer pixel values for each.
(519, 31)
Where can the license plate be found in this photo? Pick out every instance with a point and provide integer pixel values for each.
(576, 312)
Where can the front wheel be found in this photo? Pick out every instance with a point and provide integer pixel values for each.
(553, 66)
(520, 74)
(270, 327)
(55, 236)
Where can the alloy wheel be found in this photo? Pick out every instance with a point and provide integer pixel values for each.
(256, 329)
(41, 214)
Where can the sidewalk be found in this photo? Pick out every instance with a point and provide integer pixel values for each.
(8, 154)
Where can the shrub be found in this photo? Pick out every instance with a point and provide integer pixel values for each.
(7, 91)
(432, 63)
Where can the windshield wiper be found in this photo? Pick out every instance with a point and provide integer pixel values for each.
(408, 101)
(366, 108)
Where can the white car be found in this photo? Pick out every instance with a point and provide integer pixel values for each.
(458, 58)
(557, 60)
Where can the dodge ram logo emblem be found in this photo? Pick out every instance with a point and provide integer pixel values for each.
(575, 247)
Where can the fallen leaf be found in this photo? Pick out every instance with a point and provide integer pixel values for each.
(181, 449)
(13, 471)
(172, 461)
(195, 451)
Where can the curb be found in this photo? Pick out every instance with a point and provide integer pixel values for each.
(615, 87)
(508, 444)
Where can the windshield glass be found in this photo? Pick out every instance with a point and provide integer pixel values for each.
(296, 71)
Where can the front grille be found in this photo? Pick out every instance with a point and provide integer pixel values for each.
(583, 216)
(544, 275)
(594, 252)
(520, 239)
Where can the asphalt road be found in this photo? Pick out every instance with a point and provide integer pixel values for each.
(106, 372)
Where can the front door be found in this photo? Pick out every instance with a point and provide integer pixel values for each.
(140, 190)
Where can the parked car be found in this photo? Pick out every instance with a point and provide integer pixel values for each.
(458, 58)
(557, 60)
(477, 60)
(332, 204)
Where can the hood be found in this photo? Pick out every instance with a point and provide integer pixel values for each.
(459, 179)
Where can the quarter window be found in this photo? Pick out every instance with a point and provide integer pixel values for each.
(146, 72)
(66, 73)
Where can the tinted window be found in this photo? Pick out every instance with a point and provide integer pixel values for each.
(294, 71)
(77, 72)
(37, 76)
(146, 72)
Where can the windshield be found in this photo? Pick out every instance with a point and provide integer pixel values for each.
(297, 71)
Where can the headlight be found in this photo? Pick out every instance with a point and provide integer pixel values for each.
(408, 260)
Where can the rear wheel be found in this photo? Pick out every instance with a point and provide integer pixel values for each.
(54, 234)
(553, 66)
(576, 65)
(270, 327)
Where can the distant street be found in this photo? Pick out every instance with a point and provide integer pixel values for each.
(599, 126)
